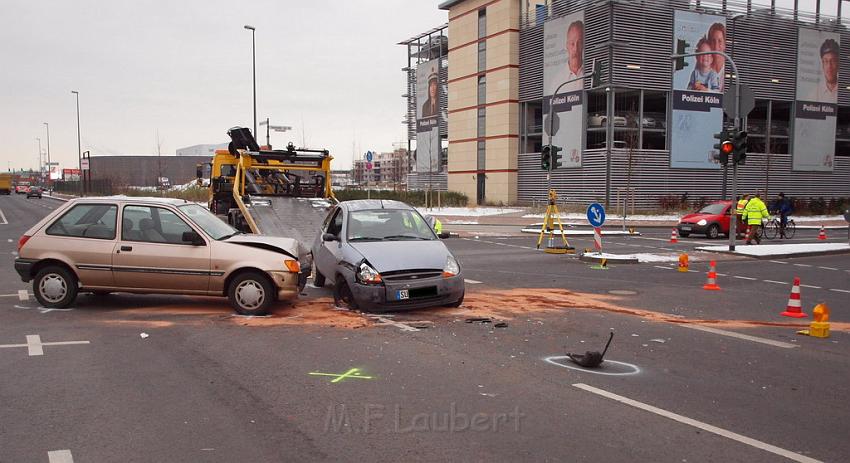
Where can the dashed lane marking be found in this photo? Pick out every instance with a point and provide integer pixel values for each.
(471, 282)
(745, 337)
(60, 456)
(779, 262)
(663, 267)
(802, 265)
(776, 282)
(811, 286)
(699, 425)
(828, 268)
(839, 290)
(745, 278)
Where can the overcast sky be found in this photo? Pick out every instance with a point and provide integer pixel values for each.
(331, 68)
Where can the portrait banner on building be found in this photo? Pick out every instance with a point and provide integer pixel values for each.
(428, 117)
(563, 60)
(697, 89)
(816, 111)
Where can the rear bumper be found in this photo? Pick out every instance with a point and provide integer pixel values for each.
(429, 292)
(24, 268)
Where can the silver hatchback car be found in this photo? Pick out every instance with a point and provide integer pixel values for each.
(382, 255)
(167, 246)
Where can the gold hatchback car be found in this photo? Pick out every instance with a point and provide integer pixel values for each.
(166, 246)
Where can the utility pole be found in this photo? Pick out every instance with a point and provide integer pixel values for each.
(49, 166)
(79, 145)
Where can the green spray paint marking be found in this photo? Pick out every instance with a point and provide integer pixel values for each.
(352, 373)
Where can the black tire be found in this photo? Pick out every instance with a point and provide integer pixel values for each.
(318, 278)
(458, 302)
(713, 231)
(790, 229)
(684, 234)
(770, 230)
(251, 293)
(55, 287)
(343, 297)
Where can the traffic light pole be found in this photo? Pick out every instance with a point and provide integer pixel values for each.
(733, 222)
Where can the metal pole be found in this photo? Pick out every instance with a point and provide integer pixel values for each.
(551, 126)
(268, 137)
(254, 62)
(49, 167)
(79, 144)
(40, 170)
(609, 137)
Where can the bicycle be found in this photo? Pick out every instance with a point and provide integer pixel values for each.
(771, 229)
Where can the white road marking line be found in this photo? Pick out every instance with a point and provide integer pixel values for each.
(779, 262)
(746, 337)
(810, 286)
(3, 218)
(802, 265)
(839, 290)
(23, 295)
(745, 278)
(663, 267)
(471, 282)
(722, 275)
(36, 347)
(776, 282)
(828, 268)
(699, 424)
(399, 325)
(60, 456)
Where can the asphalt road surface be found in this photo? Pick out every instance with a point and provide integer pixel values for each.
(699, 375)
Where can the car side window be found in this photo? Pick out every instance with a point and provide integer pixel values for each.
(335, 227)
(86, 221)
(152, 225)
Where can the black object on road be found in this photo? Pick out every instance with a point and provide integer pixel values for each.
(591, 359)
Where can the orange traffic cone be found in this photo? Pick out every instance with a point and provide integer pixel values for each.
(794, 308)
(674, 237)
(822, 234)
(711, 284)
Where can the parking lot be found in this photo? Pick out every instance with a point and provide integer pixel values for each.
(693, 375)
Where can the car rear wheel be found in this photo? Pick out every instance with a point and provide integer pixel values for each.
(713, 231)
(55, 287)
(343, 297)
(251, 293)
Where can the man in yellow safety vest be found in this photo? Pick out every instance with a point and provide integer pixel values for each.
(739, 210)
(755, 211)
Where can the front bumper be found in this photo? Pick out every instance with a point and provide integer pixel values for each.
(692, 228)
(24, 268)
(286, 284)
(427, 292)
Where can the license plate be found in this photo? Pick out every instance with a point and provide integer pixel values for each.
(402, 294)
(686, 228)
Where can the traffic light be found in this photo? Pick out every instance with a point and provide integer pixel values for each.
(739, 142)
(556, 156)
(546, 158)
(723, 146)
(596, 74)
(681, 46)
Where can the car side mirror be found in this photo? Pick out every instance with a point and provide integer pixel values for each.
(194, 238)
(329, 237)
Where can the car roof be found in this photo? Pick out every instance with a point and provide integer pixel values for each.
(131, 199)
(365, 204)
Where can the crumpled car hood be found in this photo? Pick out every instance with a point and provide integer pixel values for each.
(390, 256)
(287, 246)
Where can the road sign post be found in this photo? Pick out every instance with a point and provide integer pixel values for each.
(596, 217)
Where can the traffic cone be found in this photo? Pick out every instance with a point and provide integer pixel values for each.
(794, 308)
(674, 238)
(822, 234)
(711, 284)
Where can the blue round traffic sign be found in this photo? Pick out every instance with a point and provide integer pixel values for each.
(596, 214)
(369, 156)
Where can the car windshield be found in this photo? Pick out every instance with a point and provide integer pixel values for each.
(212, 225)
(713, 209)
(388, 225)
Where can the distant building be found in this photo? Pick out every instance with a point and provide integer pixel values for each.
(143, 170)
(341, 178)
(201, 150)
(388, 169)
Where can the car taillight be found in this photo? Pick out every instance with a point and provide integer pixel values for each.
(22, 242)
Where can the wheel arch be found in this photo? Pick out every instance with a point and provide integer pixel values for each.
(52, 261)
(235, 273)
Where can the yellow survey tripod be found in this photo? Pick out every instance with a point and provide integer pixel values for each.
(549, 219)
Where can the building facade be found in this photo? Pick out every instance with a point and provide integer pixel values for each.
(639, 134)
(388, 170)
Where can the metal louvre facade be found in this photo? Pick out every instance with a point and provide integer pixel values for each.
(637, 36)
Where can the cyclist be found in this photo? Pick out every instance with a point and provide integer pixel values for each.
(784, 208)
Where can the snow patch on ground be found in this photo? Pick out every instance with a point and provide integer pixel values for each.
(764, 250)
(641, 257)
(637, 218)
(467, 211)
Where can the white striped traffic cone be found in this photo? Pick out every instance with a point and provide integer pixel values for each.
(674, 236)
(711, 284)
(822, 234)
(794, 308)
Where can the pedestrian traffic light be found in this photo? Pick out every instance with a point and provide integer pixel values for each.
(723, 146)
(556, 156)
(546, 158)
(739, 140)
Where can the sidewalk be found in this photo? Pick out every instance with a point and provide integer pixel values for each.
(776, 251)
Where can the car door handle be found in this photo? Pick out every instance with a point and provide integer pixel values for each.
(126, 248)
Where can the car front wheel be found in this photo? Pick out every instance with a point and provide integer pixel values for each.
(251, 293)
(713, 231)
(55, 287)
(343, 297)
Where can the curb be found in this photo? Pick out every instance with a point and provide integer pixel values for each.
(784, 256)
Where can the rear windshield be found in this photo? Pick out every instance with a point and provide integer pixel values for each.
(713, 209)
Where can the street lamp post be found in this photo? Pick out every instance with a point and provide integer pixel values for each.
(254, 62)
(79, 144)
(39, 157)
(49, 167)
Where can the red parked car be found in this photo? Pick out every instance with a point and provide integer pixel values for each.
(711, 221)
